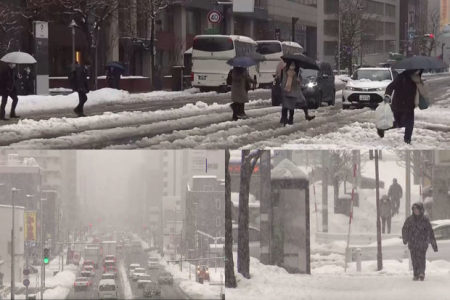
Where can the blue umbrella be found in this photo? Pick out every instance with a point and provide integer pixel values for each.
(242, 62)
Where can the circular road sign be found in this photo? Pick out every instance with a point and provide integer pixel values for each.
(214, 16)
(26, 282)
(26, 272)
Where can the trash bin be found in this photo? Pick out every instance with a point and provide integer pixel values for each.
(177, 78)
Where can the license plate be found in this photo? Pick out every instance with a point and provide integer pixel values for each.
(364, 97)
(202, 77)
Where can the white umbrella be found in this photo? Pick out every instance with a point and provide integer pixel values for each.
(18, 58)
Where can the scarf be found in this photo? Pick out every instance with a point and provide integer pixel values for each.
(291, 74)
(420, 88)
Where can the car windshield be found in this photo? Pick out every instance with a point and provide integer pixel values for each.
(153, 259)
(137, 271)
(145, 277)
(108, 276)
(266, 48)
(106, 287)
(86, 274)
(110, 264)
(306, 74)
(81, 279)
(372, 75)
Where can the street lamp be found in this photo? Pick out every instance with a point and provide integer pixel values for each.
(73, 25)
(27, 250)
(42, 247)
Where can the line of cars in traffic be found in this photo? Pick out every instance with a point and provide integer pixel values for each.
(139, 275)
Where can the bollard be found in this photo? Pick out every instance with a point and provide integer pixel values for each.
(358, 260)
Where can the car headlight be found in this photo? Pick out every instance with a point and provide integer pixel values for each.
(349, 88)
(310, 85)
(380, 89)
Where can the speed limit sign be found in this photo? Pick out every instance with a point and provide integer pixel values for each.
(214, 16)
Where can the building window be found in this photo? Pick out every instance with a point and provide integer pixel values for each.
(331, 27)
(390, 11)
(218, 203)
(390, 28)
(331, 7)
(330, 48)
(218, 221)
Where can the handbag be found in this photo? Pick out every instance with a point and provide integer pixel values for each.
(423, 102)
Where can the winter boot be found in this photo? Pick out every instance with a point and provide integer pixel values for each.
(14, 116)
(421, 277)
(291, 117)
(380, 133)
(416, 278)
(408, 141)
(310, 118)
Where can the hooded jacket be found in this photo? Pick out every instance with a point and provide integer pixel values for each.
(386, 207)
(417, 231)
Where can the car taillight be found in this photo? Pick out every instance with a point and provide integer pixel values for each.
(192, 76)
(115, 269)
(74, 284)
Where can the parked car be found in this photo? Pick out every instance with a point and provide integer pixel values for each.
(366, 87)
(143, 280)
(254, 240)
(152, 290)
(131, 269)
(107, 289)
(81, 283)
(318, 86)
(108, 276)
(165, 278)
(136, 272)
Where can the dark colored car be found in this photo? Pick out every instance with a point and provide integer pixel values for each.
(318, 86)
(152, 290)
(165, 278)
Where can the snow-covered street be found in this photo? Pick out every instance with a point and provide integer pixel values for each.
(190, 120)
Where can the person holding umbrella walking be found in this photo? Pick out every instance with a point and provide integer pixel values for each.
(113, 74)
(8, 80)
(240, 81)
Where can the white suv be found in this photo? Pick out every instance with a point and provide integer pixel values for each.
(107, 289)
(366, 87)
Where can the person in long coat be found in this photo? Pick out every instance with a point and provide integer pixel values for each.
(407, 87)
(292, 96)
(386, 212)
(417, 232)
(395, 194)
(8, 89)
(81, 86)
(240, 82)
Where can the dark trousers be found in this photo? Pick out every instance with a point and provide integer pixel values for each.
(396, 202)
(385, 220)
(405, 119)
(82, 98)
(284, 115)
(15, 100)
(238, 109)
(418, 257)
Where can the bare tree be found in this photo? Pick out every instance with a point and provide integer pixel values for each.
(9, 27)
(249, 161)
(230, 279)
(427, 43)
(357, 28)
(90, 16)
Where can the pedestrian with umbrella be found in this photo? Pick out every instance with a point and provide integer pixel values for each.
(407, 92)
(114, 70)
(291, 87)
(8, 80)
(240, 82)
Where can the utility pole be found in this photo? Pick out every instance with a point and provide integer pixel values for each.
(41, 211)
(408, 183)
(13, 287)
(27, 242)
(377, 180)
(324, 192)
(266, 209)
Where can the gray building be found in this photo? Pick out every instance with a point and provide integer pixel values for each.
(441, 185)
(375, 51)
(205, 211)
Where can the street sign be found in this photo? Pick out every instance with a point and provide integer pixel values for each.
(26, 282)
(214, 17)
(26, 272)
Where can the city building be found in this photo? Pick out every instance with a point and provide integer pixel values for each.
(205, 212)
(385, 16)
(414, 21)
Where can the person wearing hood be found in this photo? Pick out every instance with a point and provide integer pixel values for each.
(417, 232)
(386, 210)
(8, 89)
(404, 94)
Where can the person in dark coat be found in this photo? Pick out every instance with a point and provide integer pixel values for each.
(291, 90)
(386, 214)
(8, 89)
(407, 87)
(395, 194)
(81, 86)
(240, 82)
(418, 233)
(113, 77)
(27, 80)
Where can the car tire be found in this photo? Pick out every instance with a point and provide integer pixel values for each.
(203, 90)
(333, 99)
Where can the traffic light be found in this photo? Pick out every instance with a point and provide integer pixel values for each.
(430, 35)
(46, 255)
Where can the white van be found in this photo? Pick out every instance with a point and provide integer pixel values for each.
(273, 51)
(210, 54)
(107, 289)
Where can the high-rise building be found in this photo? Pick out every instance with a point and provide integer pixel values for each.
(445, 12)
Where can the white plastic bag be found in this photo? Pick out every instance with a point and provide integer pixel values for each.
(384, 116)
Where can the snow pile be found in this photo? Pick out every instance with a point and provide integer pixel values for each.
(393, 283)
(128, 294)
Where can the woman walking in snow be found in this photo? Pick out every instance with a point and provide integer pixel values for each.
(240, 81)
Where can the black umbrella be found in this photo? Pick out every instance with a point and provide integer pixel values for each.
(242, 62)
(421, 63)
(116, 65)
(257, 57)
(304, 62)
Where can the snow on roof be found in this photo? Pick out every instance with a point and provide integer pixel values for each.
(205, 176)
(288, 170)
(107, 282)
